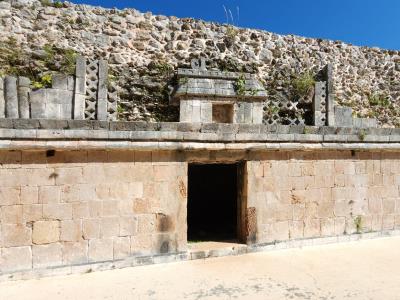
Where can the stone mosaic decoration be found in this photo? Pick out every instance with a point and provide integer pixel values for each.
(92, 82)
(83, 96)
(213, 96)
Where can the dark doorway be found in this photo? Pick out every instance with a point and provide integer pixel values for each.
(213, 202)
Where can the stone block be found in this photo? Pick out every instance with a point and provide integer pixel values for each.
(49, 194)
(247, 112)
(312, 228)
(128, 226)
(206, 112)
(2, 99)
(343, 116)
(80, 67)
(15, 259)
(45, 232)
(121, 247)
(257, 113)
(71, 83)
(101, 250)
(44, 256)
(80, 210)
(141, 244)
(11, 214)
(328, 227)
(79, 106)
(91, 229)
(109, 227)
(32, 212)
(71, 230)
(9, 195)
(15, 235)
(60, 82)
(296, 229)
(11, 97)
(75, 252)
(23, 97)
(57, 211)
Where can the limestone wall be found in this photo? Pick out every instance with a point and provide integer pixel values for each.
(79, 207)
(145, 49)
(318, 194)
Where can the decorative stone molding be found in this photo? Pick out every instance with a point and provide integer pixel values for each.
(326, 113)
(212, 96)
(83, 96)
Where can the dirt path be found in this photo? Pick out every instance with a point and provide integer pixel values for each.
(360, 270)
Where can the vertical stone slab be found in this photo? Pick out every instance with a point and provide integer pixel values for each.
(239, 113)
(102, 91)
(319, 97)
(2, 100)
(185, 112)
(11, 97)
(196, 111)
(343, 116)
(257, 113)
(206, 112)
(330, 97)
(23, 97)
(80, 89)
(248, 112)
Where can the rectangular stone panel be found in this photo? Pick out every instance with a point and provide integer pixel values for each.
(11, 97)
(23, 97)
(343, 116)
(2, 100)
(59, 82)
(257, 113)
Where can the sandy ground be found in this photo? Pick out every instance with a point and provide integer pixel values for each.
(360, 270)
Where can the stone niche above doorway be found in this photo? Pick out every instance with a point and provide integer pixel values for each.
(213, 96)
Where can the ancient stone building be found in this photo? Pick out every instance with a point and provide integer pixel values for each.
(80, 191)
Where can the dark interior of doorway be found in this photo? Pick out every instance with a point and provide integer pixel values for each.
(212, 202)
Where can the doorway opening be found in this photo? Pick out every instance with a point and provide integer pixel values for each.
(214, 202)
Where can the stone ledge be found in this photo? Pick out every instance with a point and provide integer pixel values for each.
(108, 145)
(198, 132)
(188, 255)
(192, 127)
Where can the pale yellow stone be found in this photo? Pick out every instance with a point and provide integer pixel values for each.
(32, 212)
(15, 259)
(11, 214)
(328, 227)
(69, 175)
(49, 194)
(45, 232)
(128, 226)
(29, 195)
(80, 210)
(9, 195)
(57, 211)
(121, 247)
(14, 235)
(44, 256)
(75, 252)
(101, 250)
(71, 230)
(109, 227)
(91, 229)
(312, 228)
(296, 229)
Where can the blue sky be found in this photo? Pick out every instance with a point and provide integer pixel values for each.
(360, 22)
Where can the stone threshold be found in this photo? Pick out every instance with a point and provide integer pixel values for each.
(237, 249)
